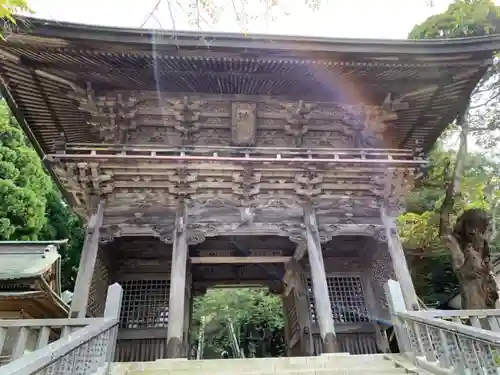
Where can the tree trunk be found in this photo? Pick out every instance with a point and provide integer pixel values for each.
(471, 260)
(467, 241)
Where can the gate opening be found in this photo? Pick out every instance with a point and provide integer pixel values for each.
(237, 323)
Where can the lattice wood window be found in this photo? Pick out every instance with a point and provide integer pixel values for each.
(346, 297)
(14, 285)
(145, 304)
(290, 307)
(98, 288)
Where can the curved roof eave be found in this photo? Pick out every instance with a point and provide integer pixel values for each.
(218, 40)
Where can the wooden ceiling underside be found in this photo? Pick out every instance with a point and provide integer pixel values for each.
(228, 259)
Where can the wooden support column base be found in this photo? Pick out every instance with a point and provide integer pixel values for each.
(174, 348)
(330, 344)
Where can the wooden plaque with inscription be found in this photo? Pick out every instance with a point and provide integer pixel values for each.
(244, 123)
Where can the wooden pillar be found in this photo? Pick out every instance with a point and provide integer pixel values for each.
(188, 307)
(286, 322)
(307, 344)
(320, 287)
(399, 260)
(175, 332)
(88, 258)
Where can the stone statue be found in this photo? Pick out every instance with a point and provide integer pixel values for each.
(471, 260)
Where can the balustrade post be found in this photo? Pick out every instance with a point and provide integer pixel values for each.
(3, 338)
(112, 309)
(397, 305)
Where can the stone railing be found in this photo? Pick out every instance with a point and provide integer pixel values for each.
(432, 342)
(63, 346)
(486, 319)
(21, 336)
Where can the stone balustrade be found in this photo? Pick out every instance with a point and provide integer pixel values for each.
(446, 342)
(79, 346)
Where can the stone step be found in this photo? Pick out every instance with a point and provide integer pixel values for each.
(244, 364)
(374, 370)
(321, 365)
(257, 369)
(360, 370)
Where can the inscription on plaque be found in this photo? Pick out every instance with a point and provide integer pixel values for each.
(244, 123)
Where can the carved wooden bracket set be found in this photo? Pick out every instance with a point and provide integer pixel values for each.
(243, 166)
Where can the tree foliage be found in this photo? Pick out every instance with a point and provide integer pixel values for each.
(463, 18)
(7, 10)
(254, 313)
(458, 183)
(31, 207)
(61, 224)
(23, 184)
(203, 13)
(419, 226)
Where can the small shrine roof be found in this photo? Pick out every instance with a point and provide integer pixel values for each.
(30, 260)
(44, 61)
(21, 260)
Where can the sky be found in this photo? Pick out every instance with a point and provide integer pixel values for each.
(391, 19)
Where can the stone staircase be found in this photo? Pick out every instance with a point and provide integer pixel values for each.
(332, 364)
(432, 342)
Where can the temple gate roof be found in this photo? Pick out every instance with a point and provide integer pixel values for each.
(426, 82)
(247, 128)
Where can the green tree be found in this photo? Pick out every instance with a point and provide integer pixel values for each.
(7, 10)
(31, 207)
(430, 260)
(466, 184)
(463, 18)
(253, 313)
(23, 183)
(61, 224)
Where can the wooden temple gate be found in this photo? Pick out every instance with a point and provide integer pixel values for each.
(258, 161)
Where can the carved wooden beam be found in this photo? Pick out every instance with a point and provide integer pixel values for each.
(300, 251)
(239, 260)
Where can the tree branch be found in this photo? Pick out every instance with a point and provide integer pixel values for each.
(494, 222)
(445, 228)
(456, 177)
(151, 13)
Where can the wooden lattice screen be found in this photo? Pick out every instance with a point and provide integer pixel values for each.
(346, 298)
(349, 310)
(98, 288)
(145, 304)
(143, 320)
(292, 320)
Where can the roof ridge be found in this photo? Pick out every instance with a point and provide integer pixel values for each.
(210, 40)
